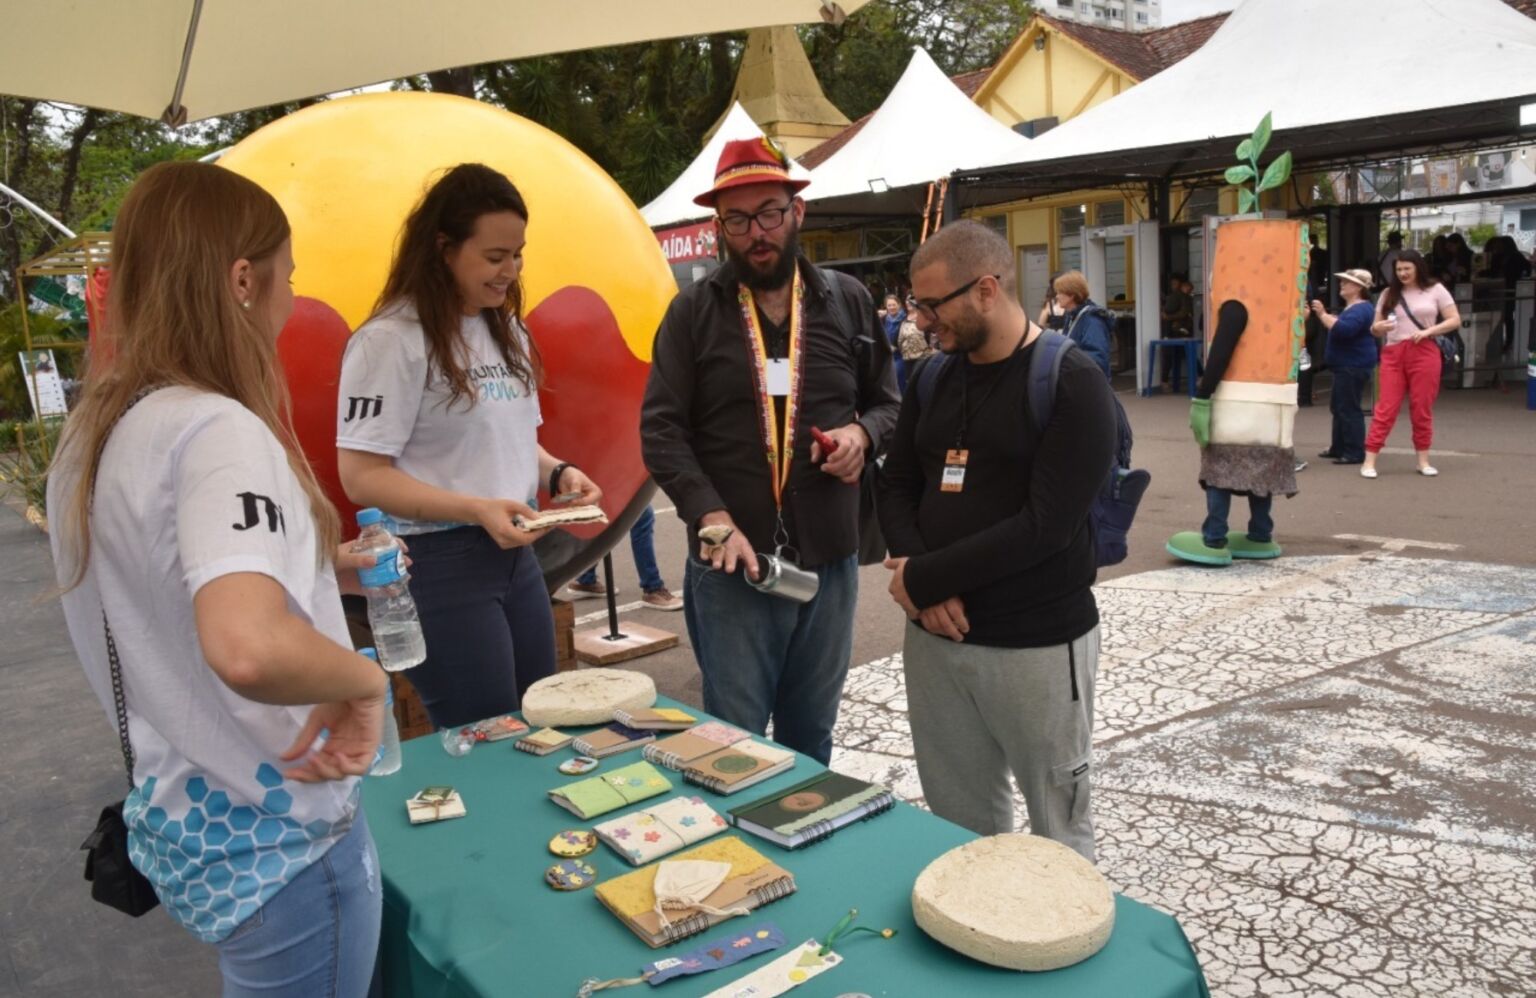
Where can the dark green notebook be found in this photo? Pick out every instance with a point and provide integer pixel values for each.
(813, 809)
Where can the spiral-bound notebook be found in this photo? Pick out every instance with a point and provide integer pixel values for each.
(813, 809)
(736, 768)
(612, 740)
(752, 883)
(676, 751)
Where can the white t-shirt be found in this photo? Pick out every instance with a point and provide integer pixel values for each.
(390, 404)
(192, 487)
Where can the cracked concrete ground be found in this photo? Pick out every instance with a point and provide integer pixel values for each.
(1321, 765)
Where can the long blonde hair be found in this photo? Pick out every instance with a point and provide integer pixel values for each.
(175, 320)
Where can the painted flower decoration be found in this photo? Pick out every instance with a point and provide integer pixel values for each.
(742, 943)
(719, 821)
(653, 836)
(687, 821)
(621, 833)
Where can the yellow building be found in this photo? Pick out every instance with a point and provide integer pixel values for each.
(1054, 71)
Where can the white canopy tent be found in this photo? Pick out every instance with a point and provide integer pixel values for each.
(674, 205)
(1312, 63)
(924, 130)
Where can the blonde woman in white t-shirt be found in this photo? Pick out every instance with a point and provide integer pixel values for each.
(437, 425)
(1413, 310)
(189, 534)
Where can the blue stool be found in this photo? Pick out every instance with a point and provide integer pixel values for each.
(1192, 347)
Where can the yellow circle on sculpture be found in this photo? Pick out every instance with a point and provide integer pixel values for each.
(348, 171)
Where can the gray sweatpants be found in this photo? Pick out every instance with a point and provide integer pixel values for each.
(979, 712)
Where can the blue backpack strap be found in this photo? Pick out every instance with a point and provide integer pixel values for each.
(1044, 372)
(928, 378)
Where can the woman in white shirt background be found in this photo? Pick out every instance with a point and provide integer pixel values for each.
(437, 425)
(1413, 310)
(191, 537)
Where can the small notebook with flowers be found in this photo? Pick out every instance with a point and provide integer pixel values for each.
(620, 788)
(652, 833)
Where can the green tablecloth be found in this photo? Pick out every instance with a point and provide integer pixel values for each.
(466, 911)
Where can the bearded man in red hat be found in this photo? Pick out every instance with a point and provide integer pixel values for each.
(771, 387)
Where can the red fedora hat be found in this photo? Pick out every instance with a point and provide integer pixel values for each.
(750, 161)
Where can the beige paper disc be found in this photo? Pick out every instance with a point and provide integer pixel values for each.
(1016, 901)
(586, 696)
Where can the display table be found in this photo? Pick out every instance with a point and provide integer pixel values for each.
(466, 910)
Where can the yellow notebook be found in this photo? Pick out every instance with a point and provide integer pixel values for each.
(754, 881)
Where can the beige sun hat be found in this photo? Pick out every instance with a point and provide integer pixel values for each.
(1358, 276)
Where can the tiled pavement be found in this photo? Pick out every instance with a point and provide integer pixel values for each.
(1323, 766)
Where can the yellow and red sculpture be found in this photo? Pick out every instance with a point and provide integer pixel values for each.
(595, 283)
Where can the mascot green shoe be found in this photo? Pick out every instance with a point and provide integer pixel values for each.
(1190, 546)
(1241, 547)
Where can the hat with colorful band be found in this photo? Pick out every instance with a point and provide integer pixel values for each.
(750, 161)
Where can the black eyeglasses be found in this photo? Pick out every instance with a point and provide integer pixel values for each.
(929, 307)
(738, 224)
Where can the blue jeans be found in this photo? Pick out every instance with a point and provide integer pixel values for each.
(318, 937)
(768, 657)
(1348, 442)
(486, 619)
(1218, 504)
(645, 555)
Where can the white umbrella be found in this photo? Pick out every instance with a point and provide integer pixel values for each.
(185, 60)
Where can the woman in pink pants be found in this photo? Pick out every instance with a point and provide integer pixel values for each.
(1413, 310)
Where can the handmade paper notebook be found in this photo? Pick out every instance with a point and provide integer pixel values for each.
(813, 809)
(663, 828)
(675, 751)
(752, 882)
(600, 794)
(543, 741)
(738, 767)
(656, 718)
(612, 740)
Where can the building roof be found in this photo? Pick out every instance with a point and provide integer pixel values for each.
(1141, 53)
(968, 83)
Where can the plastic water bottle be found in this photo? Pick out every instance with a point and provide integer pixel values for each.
(377, 534)
(387, 759)
(392, 614)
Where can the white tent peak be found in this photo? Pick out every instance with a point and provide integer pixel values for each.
(675, 204)
(924, 130)
(1252, 65)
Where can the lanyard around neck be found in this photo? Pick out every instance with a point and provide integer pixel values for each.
(780, 454)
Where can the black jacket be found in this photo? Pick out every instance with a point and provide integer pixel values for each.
(699, 430)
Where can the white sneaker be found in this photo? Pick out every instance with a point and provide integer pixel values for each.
(1428, 471)
(1367, 472)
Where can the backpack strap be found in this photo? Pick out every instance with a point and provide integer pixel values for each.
(925, 378)
(1044, 372)
(856, 330)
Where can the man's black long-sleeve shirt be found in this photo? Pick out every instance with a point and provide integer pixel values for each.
(1014, 544)
(699, 427)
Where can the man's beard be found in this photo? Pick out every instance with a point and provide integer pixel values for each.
(968, 332)
(778, 272)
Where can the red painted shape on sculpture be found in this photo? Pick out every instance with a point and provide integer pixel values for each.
(310, 348)
(591, 399)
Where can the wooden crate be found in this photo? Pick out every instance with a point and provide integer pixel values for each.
(565, 634)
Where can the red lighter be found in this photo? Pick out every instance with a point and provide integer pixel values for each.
(828, 445)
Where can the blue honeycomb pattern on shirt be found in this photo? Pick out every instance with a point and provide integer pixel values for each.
(216, 863)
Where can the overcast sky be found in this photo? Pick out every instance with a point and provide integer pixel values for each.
(1175, 11)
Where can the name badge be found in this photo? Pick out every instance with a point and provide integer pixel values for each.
(778, 377)
(953, 479)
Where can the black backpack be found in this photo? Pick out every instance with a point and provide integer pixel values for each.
(1114, 508)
